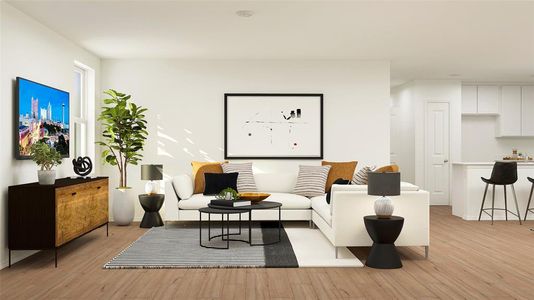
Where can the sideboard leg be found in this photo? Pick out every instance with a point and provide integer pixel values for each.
(107, 229)
(427, 250)
(55, 256)
(9, 266)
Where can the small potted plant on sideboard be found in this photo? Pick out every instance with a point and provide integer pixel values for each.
(46, 157)
(124, 135)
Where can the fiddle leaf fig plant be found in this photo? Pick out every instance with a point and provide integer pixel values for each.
(124, 133)
(45, 156)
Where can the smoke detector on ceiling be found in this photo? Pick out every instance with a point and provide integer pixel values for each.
(244, 13)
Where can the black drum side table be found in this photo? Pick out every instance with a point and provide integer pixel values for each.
(151, 204)
(384, 233)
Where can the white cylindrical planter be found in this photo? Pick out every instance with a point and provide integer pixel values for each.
(123, 206)
(46, 177)
(384, 207)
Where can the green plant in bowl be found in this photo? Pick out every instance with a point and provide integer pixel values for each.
(228, 194)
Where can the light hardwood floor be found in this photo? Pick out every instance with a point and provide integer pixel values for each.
(469, 260)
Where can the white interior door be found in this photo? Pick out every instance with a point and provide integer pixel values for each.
(437, 152)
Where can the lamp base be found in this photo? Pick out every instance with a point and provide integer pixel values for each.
(152, 187)
(384, 208)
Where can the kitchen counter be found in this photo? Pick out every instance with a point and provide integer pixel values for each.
(487, 163)
(467, 190)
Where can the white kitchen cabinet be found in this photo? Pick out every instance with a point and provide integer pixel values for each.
(510, 115)
(527, 111)
(488, 99)
(469, 99)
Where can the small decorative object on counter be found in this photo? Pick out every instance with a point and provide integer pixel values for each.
(383, 184)
(82, 166)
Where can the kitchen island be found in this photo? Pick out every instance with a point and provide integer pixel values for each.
(467, 190)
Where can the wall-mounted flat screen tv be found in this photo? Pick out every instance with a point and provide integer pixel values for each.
(42, 116)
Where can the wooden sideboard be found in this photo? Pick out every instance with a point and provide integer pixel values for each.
(49, 216)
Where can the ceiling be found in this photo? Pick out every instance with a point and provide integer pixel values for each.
(472, 41)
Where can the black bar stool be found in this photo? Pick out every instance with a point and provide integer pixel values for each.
(530, 198)
(503, 173)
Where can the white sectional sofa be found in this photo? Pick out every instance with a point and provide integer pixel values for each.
(341, 221)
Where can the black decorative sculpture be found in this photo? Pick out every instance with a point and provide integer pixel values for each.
(82, 166)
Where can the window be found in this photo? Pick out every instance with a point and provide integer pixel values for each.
(79, 118)
(82, 111)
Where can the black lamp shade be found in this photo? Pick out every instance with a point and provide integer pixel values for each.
(383, 184)
(151, 172)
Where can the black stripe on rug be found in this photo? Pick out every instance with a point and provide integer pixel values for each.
(278, 255)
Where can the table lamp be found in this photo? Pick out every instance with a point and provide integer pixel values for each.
(152, 173)
(383, 184)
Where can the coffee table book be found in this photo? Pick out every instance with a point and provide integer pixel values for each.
(230, 203)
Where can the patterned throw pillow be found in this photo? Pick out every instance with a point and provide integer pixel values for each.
(360, 177)
(245, 180)
(311, 180)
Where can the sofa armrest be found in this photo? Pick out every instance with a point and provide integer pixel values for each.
(170, 205)
(176, 188)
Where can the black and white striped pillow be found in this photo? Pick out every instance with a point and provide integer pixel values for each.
(311, 180)
(245, 180)
(360, 177)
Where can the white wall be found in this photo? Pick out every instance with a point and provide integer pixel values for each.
(185, 102)
(410, 103)
(479, 143)
(426, 91)
(30, 50)
(403, 131)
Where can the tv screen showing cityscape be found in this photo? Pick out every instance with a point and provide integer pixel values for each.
(43, 116)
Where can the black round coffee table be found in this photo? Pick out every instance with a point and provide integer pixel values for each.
(224, 236)
(384, 233)
(250, 208)
(151, 205)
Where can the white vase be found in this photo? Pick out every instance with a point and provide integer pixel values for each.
(123, 206)
(384, 207)
(46, 177)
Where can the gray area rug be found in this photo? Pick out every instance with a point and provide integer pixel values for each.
(178, 247)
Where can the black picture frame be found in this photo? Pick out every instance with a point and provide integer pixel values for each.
(311, 95)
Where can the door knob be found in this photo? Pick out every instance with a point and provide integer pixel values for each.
(446, 161)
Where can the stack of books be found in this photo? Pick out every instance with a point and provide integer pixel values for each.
(230, 203)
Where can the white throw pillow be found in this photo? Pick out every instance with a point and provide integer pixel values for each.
(245, 179)
(183, 186)
(311, 180)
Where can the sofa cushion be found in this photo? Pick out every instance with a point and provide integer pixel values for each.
(322, 208)
(275, 182)
(311, 180)
(195, 202)
(216, 183)
(360, 177)
(245, 180)
(289, 201)
(388, 169)
(201, 167)
(343, 170)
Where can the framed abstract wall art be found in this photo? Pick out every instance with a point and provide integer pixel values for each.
(273, 126)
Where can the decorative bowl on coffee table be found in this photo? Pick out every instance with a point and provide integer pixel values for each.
(254, 197)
